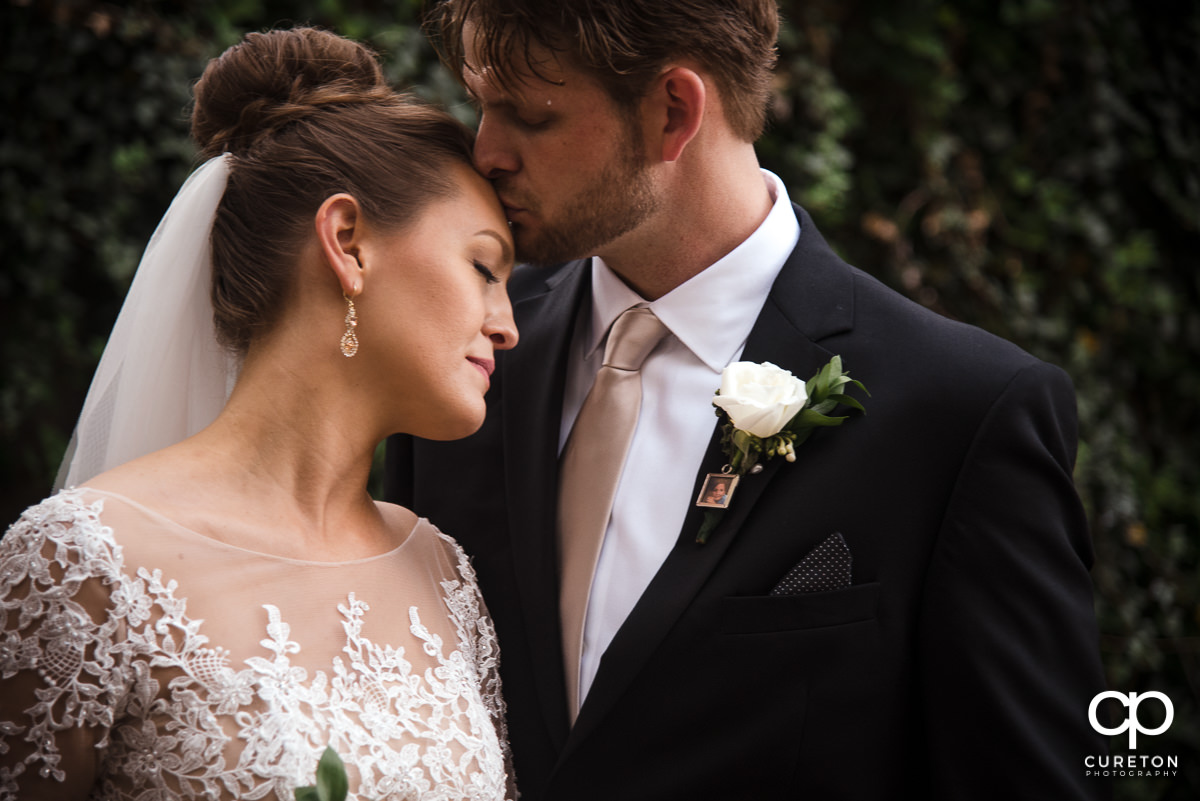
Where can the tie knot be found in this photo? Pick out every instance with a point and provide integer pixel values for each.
(635, 333)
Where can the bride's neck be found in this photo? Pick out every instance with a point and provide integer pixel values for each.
(299, 432)
(283, 469)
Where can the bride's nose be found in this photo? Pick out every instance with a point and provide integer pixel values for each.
(500, 327)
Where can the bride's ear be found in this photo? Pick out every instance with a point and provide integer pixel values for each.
(340, 232)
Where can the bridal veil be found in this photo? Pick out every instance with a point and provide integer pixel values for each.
(163, 376)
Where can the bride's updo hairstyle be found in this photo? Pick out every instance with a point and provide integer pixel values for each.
(306, 114)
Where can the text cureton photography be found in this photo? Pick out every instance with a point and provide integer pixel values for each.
(1131, 765)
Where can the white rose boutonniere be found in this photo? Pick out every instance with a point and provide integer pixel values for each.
(766, 411)
(759, 399)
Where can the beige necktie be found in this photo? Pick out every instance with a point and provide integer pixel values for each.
(591, 466)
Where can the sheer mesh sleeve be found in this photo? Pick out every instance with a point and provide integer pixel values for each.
(62, 673)
(479, 641)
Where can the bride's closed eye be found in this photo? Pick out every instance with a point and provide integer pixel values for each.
(486, 273)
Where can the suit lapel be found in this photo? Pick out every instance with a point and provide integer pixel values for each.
(812, 299)
(532, 392)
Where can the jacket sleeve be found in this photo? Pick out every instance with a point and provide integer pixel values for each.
(1008, 645)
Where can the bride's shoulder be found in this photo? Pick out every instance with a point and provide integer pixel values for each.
(82, 517)
(396, 517)
(140, 478)
(79, 506)
(69, 525)
(162, 486)
(403, 522)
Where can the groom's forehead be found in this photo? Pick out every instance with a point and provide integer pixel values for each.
(513, 63)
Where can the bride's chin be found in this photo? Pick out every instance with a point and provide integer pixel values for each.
(451, 427)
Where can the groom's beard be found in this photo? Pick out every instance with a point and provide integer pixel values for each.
(614, 203)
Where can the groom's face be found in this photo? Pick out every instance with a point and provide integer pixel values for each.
(568, 164)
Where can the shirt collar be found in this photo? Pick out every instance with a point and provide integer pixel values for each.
(712, 312)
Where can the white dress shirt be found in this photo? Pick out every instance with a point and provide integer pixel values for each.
(710, 317)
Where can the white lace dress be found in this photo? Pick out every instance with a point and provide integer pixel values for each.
(142, 660)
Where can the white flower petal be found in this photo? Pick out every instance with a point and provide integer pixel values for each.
(760, 398)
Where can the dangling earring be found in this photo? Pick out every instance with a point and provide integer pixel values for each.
(350, 338)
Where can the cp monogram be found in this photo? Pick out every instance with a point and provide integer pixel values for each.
(1131, 721)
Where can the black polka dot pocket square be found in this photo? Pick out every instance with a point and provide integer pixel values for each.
(827, 567)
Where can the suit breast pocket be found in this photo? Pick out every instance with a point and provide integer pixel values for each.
(764, 614)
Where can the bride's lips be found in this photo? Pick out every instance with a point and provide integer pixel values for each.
(485, 366)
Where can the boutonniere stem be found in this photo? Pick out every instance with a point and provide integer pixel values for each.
(765, 412)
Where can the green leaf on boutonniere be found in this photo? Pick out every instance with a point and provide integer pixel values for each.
(810, 418)
(332, 784)
(846, 400)
(761, 397)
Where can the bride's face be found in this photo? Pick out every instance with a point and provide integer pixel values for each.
(436, 303)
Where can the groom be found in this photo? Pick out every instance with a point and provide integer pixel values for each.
(904, 611)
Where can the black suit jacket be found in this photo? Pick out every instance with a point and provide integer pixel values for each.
(961, 662)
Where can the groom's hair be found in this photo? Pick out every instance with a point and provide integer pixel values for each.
(305, 114)
(624, 44)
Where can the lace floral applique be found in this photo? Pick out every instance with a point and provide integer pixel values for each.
(118, 655)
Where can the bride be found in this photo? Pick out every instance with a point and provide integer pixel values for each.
(201, 621)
